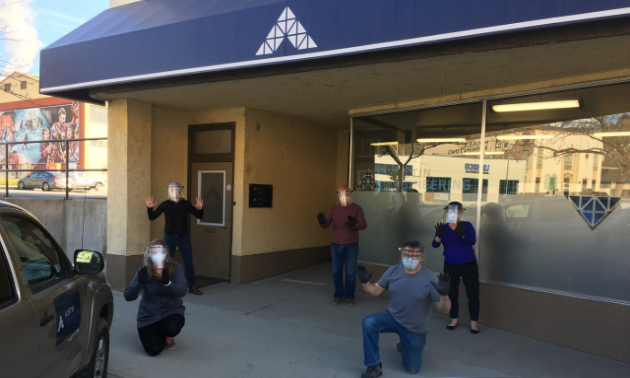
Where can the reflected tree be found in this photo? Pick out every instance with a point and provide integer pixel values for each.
(616, 148)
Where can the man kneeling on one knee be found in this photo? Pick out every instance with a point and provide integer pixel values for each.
(412, 289)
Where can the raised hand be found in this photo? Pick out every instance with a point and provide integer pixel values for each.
(143, 275)
(440, 231)
(363, 275)
(198, 203)
(444, 284)
(321, 218)
(351, 222)
(459, 230)
(149, 201)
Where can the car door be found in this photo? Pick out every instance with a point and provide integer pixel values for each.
(20, 357)
(28, 181)
(36, 182)
(56, 295)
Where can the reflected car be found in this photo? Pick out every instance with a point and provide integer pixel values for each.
(46, 181)
(55, 313)
(82, 181)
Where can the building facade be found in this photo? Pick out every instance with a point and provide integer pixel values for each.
(521, 113)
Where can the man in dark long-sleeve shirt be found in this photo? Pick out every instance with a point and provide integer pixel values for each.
(347, 219)
(176, 234)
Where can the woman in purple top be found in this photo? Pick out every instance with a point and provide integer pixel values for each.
(458, 238)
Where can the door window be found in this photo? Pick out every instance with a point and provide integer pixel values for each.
(7, 294)
(38, 253)
(212, 191)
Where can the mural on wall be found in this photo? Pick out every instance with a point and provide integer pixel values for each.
(52, 124)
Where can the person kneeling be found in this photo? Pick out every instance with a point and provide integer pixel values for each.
(161, 312)
(412, 289)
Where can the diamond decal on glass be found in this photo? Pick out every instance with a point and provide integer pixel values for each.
(594, 209)
(286, 27)
(368, 179)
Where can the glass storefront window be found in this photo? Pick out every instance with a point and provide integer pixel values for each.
(555, 196)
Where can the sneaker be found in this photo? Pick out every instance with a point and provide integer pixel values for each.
(193, 290)
(169, 344)
(373, 371)
(336, 302)
(351, 302)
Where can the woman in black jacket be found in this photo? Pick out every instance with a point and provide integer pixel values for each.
(161, 312)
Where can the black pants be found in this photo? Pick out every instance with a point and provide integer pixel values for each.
(154, 335)
(469, 272)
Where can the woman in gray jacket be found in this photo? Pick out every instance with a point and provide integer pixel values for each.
(161, 312)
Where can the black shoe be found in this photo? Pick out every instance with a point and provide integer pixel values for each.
(474, 331)
(373, 371)
(450, 328)
(399, 347)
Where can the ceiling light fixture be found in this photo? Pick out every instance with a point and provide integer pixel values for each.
(521, 137)
(543, 105)
(384, 144)
(485, 153)
(440, 140)
(612, 134)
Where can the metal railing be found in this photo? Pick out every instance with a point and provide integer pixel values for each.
(65, 163)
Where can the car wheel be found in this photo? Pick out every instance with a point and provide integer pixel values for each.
(21, 185)
(98, 186)
(97, 368)
(45, 187)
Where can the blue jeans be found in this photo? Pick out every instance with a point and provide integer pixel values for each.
(344, 254)
(412, 343)
(185, 250)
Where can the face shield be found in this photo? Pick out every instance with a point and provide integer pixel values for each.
(174, 191)
(344, 197)
(453, 213)
(411, 257)
(156, 257)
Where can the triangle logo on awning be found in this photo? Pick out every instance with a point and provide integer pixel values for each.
(594, 209)
(290, 28)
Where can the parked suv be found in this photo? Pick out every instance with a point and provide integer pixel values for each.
(54, 315)
(46, 181)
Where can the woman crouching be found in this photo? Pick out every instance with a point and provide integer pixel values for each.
(161, 312)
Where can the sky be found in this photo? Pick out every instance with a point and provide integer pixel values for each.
(31, 25)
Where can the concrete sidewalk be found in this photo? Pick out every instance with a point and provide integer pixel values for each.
(274, 328)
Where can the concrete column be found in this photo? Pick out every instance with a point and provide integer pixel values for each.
(129, 172)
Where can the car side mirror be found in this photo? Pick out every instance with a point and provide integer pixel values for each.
(88, 262)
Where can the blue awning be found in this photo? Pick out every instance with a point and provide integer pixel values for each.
(154, 39)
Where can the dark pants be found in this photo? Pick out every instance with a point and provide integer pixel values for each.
(182, 242)
(412, 343)
(154, 335)
(469, 272)
(344, 254)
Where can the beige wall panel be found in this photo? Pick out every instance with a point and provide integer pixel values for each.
(343, 149)
(129, 164)
(300, 160)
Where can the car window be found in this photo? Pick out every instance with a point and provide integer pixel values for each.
(57, 174)
(517, 211)
(37, 252)
(7, 293)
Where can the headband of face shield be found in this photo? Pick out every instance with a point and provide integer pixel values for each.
(175, 191)
(453, 212)
(156, 257)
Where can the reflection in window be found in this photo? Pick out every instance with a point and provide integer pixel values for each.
(37, 252)
(512, 187)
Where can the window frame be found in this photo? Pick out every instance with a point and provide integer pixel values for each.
(64, 263)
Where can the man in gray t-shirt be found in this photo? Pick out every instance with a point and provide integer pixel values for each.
(412, 290)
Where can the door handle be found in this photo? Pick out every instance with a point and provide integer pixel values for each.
(46, 319)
